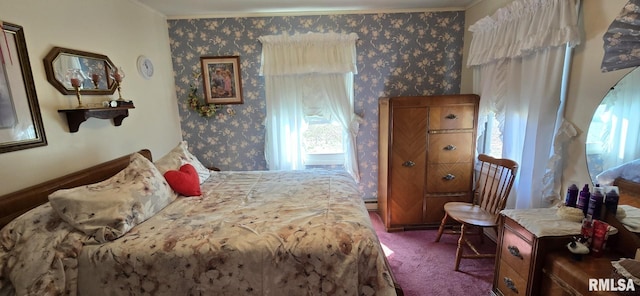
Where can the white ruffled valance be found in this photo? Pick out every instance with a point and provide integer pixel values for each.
(522, 27)
(308, 53)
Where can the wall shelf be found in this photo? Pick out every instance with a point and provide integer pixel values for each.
(77, 116)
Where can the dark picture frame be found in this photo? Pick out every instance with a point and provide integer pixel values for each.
(222, 81)
(20, 119)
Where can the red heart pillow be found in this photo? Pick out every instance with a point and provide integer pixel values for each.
(185, 181)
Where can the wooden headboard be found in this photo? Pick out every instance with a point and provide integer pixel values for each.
(16, 203)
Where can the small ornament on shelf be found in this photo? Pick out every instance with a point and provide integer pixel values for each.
(124, 103)
(118, 76)
(75, 78)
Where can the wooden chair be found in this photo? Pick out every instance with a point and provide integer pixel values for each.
(494, 179)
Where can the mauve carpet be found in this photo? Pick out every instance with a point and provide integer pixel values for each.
(423, 267)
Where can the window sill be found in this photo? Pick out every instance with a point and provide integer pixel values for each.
(324, 159)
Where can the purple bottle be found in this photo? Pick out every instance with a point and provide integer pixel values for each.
(611, 200)
(595, 203)
(572, 196)
(583, 199)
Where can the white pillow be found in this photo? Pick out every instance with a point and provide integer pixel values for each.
(107, 210)
(177, 157)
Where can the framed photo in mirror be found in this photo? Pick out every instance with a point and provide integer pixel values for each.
(222, 82)
(20, 119)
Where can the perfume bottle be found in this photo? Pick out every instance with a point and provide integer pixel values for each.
(583, 199)
(572, 196)
(595, 203)
(611, 199)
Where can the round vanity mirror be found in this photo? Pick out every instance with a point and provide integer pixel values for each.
(613, 138)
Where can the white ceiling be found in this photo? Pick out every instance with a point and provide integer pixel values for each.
(225, 8)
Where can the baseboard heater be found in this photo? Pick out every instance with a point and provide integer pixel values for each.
(371, 204)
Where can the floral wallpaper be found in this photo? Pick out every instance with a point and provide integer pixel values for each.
(398, 54)
(621, 41)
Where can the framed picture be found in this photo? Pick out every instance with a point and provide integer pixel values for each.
(20, 120)
(222, 82)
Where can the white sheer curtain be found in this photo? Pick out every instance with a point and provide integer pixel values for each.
(518, 56)
(308, 74)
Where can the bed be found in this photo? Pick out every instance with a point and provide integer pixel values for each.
(248, 233)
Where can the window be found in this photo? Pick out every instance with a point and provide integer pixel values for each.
(491, 140)
(322, 142)
(324, 71)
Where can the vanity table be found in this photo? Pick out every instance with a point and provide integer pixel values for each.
(528, 263)
(525, 238)
(562, 275)
(533, 259)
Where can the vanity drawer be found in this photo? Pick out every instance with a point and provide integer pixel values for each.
(516, 251)
(510, 282)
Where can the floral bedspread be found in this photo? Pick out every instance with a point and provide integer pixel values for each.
(251, 233)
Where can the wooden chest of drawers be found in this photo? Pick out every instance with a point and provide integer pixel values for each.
(426, 155)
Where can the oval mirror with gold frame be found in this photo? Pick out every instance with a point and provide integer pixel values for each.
(61, 64)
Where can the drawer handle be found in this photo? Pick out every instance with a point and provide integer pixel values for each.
(510, 284)
(451, 116)
(515, 251)
(408, 163)
(449, 177)
(449, 147)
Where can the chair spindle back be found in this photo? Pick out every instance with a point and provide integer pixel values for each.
(495, 177)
